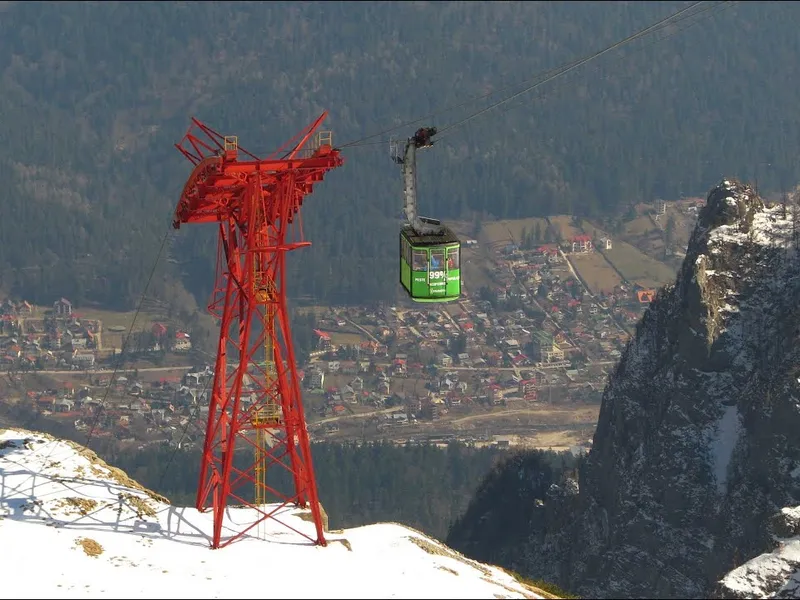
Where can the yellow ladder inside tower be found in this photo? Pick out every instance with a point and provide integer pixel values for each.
(268, 413)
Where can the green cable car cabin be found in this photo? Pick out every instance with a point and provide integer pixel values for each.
(430, 265)
(430, 253)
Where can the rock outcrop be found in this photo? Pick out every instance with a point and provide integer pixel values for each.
(698, 441)
(773, 574)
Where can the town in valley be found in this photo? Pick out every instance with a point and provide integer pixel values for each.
(522, 359)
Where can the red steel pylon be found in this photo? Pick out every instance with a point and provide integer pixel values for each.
(255, 399)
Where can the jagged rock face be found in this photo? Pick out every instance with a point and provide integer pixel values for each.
(698, 440)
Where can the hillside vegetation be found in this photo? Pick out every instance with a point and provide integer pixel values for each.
(93, 95)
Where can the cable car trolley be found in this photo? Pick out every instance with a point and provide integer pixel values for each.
(430, 253)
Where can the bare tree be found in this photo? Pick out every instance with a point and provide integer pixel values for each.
(795, 219)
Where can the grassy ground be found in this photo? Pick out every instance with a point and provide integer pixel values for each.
(639, 226)
(563, 223)
(115, 324)
(318, 311)
(543, 427)
(538, 415)
(558, 440)
(637, 267)
(110, 318)
(344, 339)
(508, 230)
(596, 272)
(476, 264)
(476, 270)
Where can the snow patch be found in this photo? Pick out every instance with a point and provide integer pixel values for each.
(769, 228)
(757, 578)
(723, 441)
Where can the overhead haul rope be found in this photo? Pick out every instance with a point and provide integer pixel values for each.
(363, 142)
(546, 77)
(717, 8)
(128, 336)
(117, 364)
(191, 419)
(550, 74)
(574, 65)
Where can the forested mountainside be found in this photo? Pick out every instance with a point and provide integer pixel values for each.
(422, 486)
(94, 94)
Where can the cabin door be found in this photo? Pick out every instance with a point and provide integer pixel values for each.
(437, 273)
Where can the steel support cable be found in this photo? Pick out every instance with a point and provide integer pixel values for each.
(128, 335)
(541, 78)
(718, 8)
(100, 407)
(574, 65)
(190, 420)
(363, 141)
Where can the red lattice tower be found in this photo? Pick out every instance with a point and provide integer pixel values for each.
(255, 399)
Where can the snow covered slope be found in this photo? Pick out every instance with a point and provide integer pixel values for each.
(773, 574)
(73, 527)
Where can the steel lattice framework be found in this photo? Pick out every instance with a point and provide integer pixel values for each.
(255, 399)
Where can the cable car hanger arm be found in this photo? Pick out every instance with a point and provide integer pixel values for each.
(408, 162)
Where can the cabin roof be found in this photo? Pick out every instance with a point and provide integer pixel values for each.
(448, 237)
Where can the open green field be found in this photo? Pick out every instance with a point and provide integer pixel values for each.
(639, 226)
(112, 335)
(318, 311)
(563, 223)
(636, 264)
(509, 230)
(596, 272)
(346, 339)
(110, 318)
(116, 325)
(637, 267)
(648, 236)
(475, 269)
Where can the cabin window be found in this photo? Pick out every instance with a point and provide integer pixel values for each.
(453, 259)
(420, 260)
(405, 250)
(437, 260)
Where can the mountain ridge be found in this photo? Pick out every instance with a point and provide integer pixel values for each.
(697, 443)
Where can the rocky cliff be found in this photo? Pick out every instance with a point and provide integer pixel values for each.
(698, 441)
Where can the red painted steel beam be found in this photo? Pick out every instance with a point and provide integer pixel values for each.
(255, 203)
